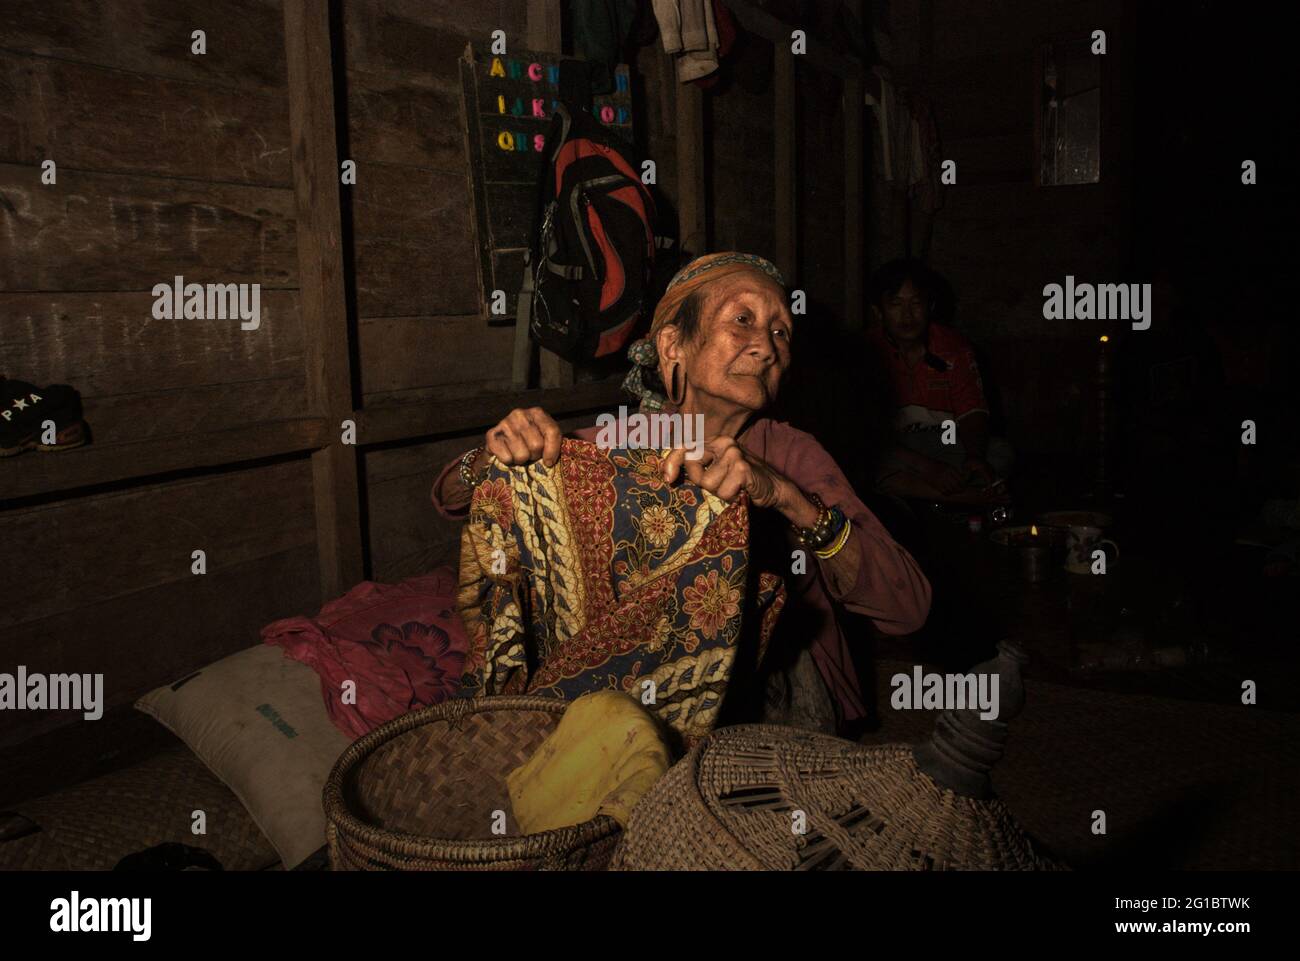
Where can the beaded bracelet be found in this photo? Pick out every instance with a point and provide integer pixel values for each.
(830, 521)
(467, 469)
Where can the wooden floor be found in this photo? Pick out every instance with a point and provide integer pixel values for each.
(1189, 776)
(1184, 784)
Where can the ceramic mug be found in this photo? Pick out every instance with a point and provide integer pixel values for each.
(1080, 542)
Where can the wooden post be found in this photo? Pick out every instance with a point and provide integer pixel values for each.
(855, 146)
(324, 310)
(855, 261)
(543, 26)
(785, 163)
(692, 219)
(545, 33)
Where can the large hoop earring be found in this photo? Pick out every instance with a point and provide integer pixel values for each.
(675, 396)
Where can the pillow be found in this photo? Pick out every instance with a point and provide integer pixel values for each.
(257, 720)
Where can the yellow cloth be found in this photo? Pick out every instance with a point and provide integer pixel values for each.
(603, 756)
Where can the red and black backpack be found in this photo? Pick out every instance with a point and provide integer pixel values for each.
(592, 263)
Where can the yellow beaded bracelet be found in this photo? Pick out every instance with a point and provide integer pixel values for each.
(839, 542)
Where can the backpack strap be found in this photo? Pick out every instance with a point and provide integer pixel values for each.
(521, 356)
(565, 271)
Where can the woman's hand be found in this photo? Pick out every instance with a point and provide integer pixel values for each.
(525, 435)
(726, 468)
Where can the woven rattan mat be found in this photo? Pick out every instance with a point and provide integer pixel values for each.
(1183, 784)
(93, 825)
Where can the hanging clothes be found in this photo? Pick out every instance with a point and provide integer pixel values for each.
(600, 31)
(910, 162)
(727, 33)
(689, 31)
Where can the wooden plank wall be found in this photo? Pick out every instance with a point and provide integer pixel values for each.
(416, 275)
(168, 163)
(422, 331)
(173, 163)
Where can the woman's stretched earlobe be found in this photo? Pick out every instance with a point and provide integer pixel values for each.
(676, 394)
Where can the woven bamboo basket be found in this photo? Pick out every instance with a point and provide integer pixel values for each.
(762, 797)
(420, 794)
(739, 798)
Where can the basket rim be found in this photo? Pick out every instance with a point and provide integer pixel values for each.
(506, 848)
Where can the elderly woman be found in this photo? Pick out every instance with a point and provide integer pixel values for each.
(720, 342)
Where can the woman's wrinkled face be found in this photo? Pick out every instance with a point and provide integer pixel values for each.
(742, 348)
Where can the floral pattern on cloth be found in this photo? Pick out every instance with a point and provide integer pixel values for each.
(396, 647)
(595, 575)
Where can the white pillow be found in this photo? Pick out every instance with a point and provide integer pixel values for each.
(257, 719)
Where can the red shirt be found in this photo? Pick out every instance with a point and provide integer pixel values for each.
(927, 396)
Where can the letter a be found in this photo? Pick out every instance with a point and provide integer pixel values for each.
(1052, 305)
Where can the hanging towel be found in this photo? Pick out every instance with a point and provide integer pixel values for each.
(689, 30)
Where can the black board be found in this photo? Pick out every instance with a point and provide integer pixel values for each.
(508, 102)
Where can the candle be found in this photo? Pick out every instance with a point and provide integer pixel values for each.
(1035, 556)
(1034, 563)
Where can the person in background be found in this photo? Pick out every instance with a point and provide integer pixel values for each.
(932, 379)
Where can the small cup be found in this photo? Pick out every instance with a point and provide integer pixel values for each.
(1080, 542)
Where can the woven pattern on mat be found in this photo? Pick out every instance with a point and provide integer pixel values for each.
(1184, 784)
(734, 802)
(595, 574)
(93, 825)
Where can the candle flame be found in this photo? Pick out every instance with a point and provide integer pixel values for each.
(1105, 339)
(1033, 530)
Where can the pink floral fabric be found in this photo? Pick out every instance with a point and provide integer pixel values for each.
(402, 646)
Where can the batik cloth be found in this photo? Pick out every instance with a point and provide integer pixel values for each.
(596, 575)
